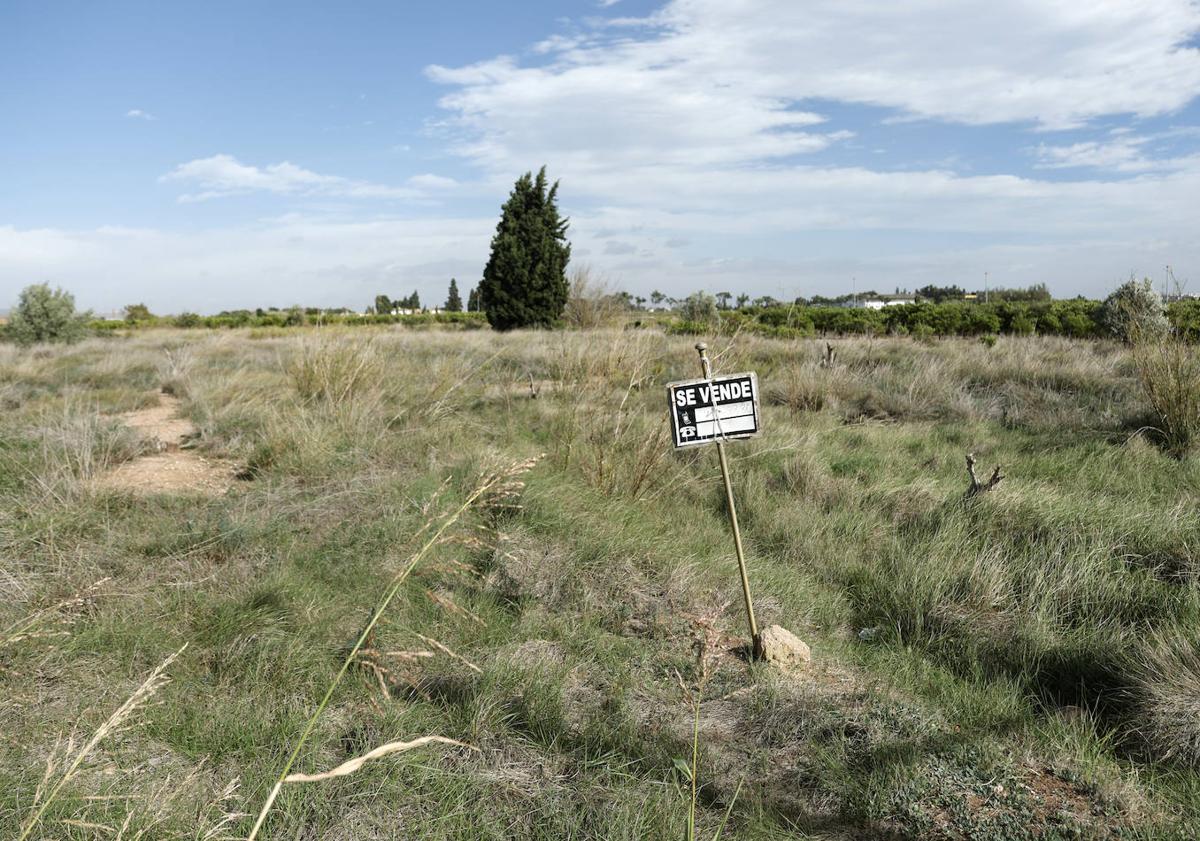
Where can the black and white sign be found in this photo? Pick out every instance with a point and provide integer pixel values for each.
(709, 410)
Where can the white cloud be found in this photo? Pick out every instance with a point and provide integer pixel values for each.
(430, 181)
(698, 124)
(223, 175)
(139, 114)
(686, 141)
(717, 82)
(1123, 152)
(276, 262)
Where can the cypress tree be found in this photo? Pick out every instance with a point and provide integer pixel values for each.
(453, 300)
(473, 300)
(525, 281)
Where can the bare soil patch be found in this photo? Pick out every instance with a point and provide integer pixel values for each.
(161, 423)
(170, 468)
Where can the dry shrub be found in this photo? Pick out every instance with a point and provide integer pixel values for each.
(335, 370)
(619, 449)
(593, 302)
(804, 390)
(602, 357)
(174, 368)
(1169, 373)
(1169, 689)
(78, 443)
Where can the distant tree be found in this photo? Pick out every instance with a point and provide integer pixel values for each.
(138, 312)
(412, 302)
(1037, 292)
(453, 299)
(742, 300)
(937, 294)
(699, 307)
(640, 301)
(723, 300)
(1134, 312)
(473, 304)
(43, 314)
(383, 304)
(657, 297)
(765, 301)
(296, 316)
(525, 283)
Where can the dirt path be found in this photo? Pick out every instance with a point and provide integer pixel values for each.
(170, 468)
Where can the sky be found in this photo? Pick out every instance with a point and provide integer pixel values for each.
(220, 155)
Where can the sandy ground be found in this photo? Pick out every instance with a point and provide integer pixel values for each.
(170, 469)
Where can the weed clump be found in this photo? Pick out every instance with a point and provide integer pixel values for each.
(1169, 373)
(333, 371)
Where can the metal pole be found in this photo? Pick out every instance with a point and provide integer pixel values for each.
(755, 640)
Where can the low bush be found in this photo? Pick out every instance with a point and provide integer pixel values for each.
(43, 314)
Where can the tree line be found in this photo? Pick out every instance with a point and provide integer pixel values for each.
(524, 284)
(1133, 302)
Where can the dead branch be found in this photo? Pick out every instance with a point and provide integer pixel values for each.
(978, 487)
(827, 357)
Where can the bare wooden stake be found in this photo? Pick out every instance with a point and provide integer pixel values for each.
(533, 390)
(827, 358)
(978, 487)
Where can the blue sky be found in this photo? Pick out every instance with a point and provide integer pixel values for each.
(219, 155)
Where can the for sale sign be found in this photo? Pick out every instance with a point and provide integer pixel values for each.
(715, 409)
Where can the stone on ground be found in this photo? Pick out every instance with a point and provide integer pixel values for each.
(783, 648)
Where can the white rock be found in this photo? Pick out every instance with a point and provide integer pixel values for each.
(783, 648)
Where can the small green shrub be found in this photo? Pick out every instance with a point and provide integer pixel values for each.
(923, 332)
(43, 314)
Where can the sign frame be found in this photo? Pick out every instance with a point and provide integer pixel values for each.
(681, 442)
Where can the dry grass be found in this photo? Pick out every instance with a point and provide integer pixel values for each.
(336, 369)
(1168, 695)
(77, 444)
(493, 488)
(65, 761)
(1169, 373)
(985, 621)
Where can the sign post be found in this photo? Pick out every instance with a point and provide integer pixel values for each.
(710, 411)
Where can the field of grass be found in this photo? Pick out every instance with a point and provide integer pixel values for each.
(1022, 664)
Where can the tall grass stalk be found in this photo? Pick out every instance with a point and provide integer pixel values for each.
(489, 484)
(46, 793)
